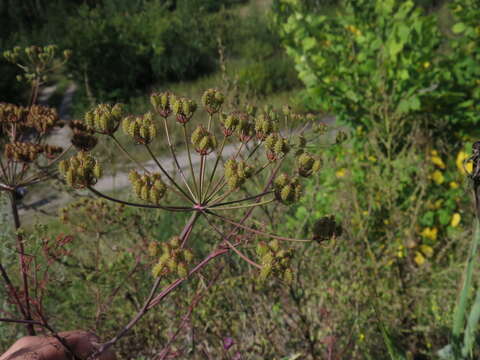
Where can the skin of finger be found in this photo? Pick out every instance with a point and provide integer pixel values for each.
(83, 343)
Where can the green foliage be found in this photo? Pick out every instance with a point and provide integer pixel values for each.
(268, 76)
(378, 63)
(400, 217)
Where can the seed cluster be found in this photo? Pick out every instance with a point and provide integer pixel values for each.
(307, 164)
(140, 128)
(173, 258)
(35, 61)
(275, 261)
(266, 124)
(81, 170)
(212, 100)
(203, 141)
(148, 187)
(28, 152)
(287, 190)
(276, 146)
(183, 108)
(105, 118)
(40, 118)
(161, 102)
(83, 138)
(236, 172)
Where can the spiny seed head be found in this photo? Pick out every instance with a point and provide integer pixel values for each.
(183, 108)
(212, 100)
(287, 190)
(306, 163)
(161, 102)
(105, 118)
(204, 141)
(198, 134)
(42, 118)
(281, 147)
(264, 126)
(133, 176)
(229, 123)
(236, 172)
(281, 180)
(245, 128)
(270, 142)
(141, 128)
(148, 187)
(81, 170)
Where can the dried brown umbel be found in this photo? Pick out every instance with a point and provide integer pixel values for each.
(23, 151)
(42, 118)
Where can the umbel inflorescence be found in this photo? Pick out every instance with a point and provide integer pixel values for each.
(229, 165)
(208, 184)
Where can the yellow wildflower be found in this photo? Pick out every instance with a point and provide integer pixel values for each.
(341, 173)
(430, 233)
(461, 157)
(426, 250)
(437, 176)
(438, 204)
(455, 220)
(437, 160)
(426, 64)
(454, 185)
(372, 158)
(419, 258)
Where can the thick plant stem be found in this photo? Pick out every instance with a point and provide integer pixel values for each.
(23, 264)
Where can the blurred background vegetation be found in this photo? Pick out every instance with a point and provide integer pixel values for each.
(401, 77)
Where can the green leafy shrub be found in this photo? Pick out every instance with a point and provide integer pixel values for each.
(378, 63)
